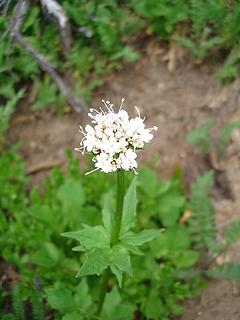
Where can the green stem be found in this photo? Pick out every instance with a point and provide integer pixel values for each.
(103, 290)
(119, 209)
(114, 238)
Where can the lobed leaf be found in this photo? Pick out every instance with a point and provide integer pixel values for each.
(90, 237)
(129, 207)
(96, 261)
(138, 239)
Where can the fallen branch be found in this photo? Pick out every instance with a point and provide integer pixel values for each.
(19, 14)
(77, 103)
(44, 166)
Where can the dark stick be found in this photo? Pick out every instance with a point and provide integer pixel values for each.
(19, 14)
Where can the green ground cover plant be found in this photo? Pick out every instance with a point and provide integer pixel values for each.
(104, 37)
(33, 220)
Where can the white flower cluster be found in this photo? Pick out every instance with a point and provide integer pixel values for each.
(114, 138)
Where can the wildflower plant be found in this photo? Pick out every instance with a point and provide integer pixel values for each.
(113, 139)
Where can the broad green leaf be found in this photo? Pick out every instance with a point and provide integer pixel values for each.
(111, 301)
(96, 261)
(129, 207)
(60, 299)
(82, 297)
(88, 215)
(169, 209)
(108, 210)
(115, 309)
(71, 195)
(153, 307)
(69, 264)
(90, 237)
(148, 181)
(48, 256)
(138, 239)
(185, 259)
(124, 311)
(73, 316)
(118, 273)
(173, 241)
(120, 258)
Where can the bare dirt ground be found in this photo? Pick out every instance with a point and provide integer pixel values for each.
(176, 102)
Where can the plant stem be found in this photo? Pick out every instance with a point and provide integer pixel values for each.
(119, 209)
(114, 239)
(103, 290)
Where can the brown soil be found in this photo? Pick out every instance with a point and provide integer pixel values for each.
(176, 101)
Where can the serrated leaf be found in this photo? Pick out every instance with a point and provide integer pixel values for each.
(138, 239)
(96, 261)
(201, 137)
(226, 134)
(90, 237)
(129, 207)
(108, 211)
(120, 258)
(118, 273)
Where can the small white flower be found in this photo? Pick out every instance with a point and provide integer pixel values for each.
(114, 138)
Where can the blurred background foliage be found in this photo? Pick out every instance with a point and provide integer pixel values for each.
(109, 33)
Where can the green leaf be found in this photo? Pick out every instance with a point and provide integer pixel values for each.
(82, 297)
(226, 134)
(48, 256)
(60, 299)
(186, 259)
(129, 207)
(71, 195)
(138, 239)
(153, 307)
(96, 261)
(114, 309)
(169, 209)
(173, 241)
(108, 211)
(90, 237)
(118, 273)
(73, 316)
(120, 258)
(148, 181)
(112, 300)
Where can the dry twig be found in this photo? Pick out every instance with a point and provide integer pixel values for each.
(19, 13)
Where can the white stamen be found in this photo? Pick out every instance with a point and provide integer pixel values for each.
(89, 172)
(121, 104)
(137, 111)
